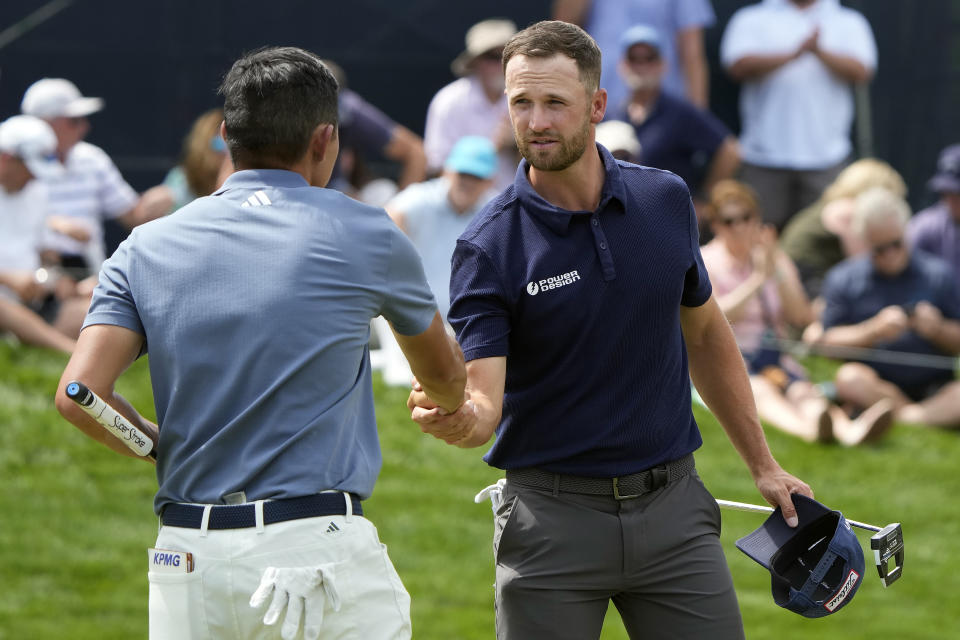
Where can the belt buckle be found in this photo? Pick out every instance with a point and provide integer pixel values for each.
(619, 496)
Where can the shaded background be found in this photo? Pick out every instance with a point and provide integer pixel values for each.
(158, 64)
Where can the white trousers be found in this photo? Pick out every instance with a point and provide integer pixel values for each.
(212, 601)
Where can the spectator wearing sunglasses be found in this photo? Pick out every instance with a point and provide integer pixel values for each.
(759, 291)
(474, 104)
(898, 300)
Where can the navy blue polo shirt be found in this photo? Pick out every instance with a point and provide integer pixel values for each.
(679, 137)
(854, 291)
(585, 306)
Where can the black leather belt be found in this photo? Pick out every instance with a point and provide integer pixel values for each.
(242, 516)
(621, 488)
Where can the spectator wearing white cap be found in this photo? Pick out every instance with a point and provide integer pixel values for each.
(474, 105)
(27, 151)
(91, 189)
(620, 140)
(434, 214)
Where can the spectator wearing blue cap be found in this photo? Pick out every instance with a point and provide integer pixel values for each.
(434, 213)
(674, 134)
(681, 23)
(936, 229)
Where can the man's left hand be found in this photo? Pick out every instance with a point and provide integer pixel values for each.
(926, 319)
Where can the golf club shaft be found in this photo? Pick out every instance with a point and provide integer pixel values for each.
(743, 506)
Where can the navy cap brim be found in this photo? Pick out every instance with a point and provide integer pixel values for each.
(762, 544)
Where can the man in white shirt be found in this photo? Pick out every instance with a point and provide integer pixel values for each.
(798, 61)
(91, 189)
(27, 150)
(475, 104)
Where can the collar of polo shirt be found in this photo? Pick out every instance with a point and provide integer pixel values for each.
(559, 219)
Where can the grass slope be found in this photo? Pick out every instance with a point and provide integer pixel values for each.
(76, 519)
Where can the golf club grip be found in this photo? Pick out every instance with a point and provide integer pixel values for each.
(743, 506)
(111, 420)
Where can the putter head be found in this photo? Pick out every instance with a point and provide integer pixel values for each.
(887, 544)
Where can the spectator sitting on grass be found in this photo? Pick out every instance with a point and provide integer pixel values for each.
(895, 299)
(27, 148)
(759, 290)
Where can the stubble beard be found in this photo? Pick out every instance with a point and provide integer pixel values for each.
(571, 149)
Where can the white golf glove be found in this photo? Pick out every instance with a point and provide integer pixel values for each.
(303, 591)
(494, 492)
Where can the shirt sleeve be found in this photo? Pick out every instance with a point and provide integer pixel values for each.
(363, 126)
(948, 293)
(115, 195)
(855, 40)
(737, 40)
(703, 131)
(113, 301)
(436, 139)
(479, 310)
(836, 308)
(696, 284)
(693, 13)
(409, 304)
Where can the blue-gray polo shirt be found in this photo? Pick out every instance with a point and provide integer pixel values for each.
(256, 304)
(585, 306)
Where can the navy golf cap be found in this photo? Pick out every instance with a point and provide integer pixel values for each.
(816, 567)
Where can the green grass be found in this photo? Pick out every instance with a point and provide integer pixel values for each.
(75, 519)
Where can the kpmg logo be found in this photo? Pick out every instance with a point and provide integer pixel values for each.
(166, 559)
(553, 282)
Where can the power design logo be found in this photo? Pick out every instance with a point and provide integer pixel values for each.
(553, 282)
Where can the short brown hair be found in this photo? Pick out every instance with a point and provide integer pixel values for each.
(547, 38)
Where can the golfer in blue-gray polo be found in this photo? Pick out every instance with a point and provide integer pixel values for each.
(583, 309)
(255, 305)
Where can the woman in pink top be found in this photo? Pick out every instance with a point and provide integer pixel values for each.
(758, 288)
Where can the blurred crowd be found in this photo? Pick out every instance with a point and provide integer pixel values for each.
(809, 248)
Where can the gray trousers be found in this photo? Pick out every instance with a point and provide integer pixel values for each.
(561, 557)
(784, 192)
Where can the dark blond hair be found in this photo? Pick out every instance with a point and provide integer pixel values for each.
(547, 38)
(201, 163)
(732, 192)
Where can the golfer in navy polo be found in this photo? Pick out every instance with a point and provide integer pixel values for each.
(255, 304)
(583, 308)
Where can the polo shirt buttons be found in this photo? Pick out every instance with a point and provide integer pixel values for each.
(595, 222)
(603, 245)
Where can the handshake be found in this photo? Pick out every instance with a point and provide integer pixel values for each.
(460, 427)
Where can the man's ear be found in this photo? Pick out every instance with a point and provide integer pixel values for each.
(320, 141)
(598, 106)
